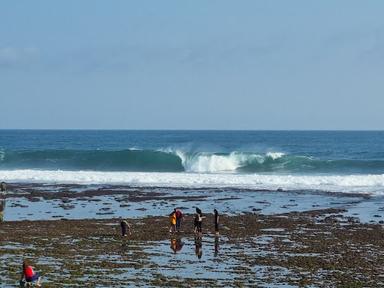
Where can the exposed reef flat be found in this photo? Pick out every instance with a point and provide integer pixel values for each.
(322, 248)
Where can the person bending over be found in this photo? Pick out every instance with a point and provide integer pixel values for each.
(29, 275)
(125, 227)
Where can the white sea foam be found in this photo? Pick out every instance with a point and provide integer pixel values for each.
(275, 155)
(213, 163)
(348, 183)
(208, 163)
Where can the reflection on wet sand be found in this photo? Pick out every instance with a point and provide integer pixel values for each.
(176, 244)
(198, 246)
(2, 208)
(216, 245)
(3, 188)
(124, 247)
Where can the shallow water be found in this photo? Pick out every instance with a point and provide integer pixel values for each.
(203, 259)
(123, 201)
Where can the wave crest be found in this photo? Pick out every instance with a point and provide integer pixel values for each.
(213, 163)
(136, 160)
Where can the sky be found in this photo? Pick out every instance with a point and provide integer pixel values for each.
(194, 64)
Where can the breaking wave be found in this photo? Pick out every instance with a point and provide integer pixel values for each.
(135, 160)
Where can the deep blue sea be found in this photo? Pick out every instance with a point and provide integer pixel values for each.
(326, 160)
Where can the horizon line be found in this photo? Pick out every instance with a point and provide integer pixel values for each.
(170, 129)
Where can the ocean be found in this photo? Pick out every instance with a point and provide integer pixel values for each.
(285, 199)
(335, 161)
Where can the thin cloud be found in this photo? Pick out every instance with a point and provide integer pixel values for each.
(12, 57)
(375, 52)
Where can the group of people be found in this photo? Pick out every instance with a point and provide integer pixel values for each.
(175, 219)
(198, 221)
(30, 277)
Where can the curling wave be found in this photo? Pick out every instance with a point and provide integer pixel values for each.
(135, 160)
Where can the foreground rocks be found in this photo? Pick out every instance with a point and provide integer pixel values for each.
(320, 248)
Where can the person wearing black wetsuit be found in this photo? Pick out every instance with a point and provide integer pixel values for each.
(216, 221)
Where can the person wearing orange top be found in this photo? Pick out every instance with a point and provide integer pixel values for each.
(172, 220)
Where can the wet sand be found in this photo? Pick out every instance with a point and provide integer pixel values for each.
(267, 238)
(321, 248)
(51, 202)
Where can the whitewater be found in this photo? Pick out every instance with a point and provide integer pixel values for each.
(373, 184)
(334, 161)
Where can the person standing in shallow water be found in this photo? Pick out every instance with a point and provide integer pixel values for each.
(172, 221)
(179, 218)
(125, 227)
(195, 221)
(216, 221)
(198, 221)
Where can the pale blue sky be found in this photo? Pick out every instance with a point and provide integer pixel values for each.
(192, 64)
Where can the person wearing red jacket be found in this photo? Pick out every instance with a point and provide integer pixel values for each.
(29, 275)
(179, 218)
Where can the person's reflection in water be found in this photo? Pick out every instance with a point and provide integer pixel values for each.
(216, 245)
(3, 189)
(176, 244)
(198, 247)
(125, 252)
(2, 208)
(124, 247)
